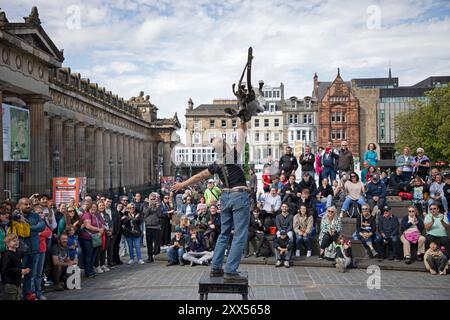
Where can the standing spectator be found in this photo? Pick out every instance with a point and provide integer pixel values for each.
(266, 179)
(92, 227)
(271, 204)
(117, 233)
(253, 185)
(288, 163)
(303, 228)
(366, 228)
(284, 221)
(421, 164)
(371, 155)
(70, 218)
(328, 161)
(113, 222)
(167, 212)
(211, 192)
(61, 261)
(152, 218)
(436, 225)
(435, 260)
(196, 249)
(255, 232)
(4, 225)
(345, 160)
(176, 249)
(325, 193)
(388, 234)
(131, 222)
(189, 209)
(355, 192)
(60, 212)
(437, 193)
(307, 161)
(308, 183)
(376, 193)
(39, 264)
(318, 167)
(107, 225)
(283, 247)
(446, 188)
(11, 268)
(213, 230)
(330, 228)
(412, 228)
(406, 161)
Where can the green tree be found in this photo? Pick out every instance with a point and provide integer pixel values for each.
(246, 167)
(428, 126)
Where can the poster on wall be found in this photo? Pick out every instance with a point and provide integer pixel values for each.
(167, 182)
(65, 188)
(16, 132)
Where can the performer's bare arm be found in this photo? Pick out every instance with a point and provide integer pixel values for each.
(242, 132)
(192, 180)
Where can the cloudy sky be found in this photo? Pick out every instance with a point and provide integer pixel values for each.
(174, 50)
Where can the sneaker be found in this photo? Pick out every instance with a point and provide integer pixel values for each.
(131, 261)
(308, 253)
(99, 270)
(205, 263)
(442, 273)
(216, 273)
(105, 268)
(48, 283)
(286, 264)
(278, 264)
(42, 298)
(374, 252)
(297, 253)
(141, 261)
(408, 259)
(234, 277)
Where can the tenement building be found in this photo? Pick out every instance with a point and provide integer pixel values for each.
(70, 127)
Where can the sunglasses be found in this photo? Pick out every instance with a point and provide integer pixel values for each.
(152, 199)
(365, 209)
(330, 211)
(352, 176)
(70, 211)
(411, 211)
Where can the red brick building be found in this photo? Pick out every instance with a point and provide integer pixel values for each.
(338, 113)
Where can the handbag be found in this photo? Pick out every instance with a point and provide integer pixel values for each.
(412, 235)
(96, 238)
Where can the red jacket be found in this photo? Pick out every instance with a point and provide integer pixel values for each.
(43, 239)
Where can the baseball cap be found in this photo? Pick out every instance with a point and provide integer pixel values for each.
(211, 181)
(386, 208)
(283, 232)
(178, 229)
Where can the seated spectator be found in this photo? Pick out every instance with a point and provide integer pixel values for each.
(255, 232)
(411, 228)
(396, 183)
(447, 188)
(284, 221)
(305, 199)
(276, 183)
(196, 249)
(421, 164)
(417, 187)
(384, 177)
(189, 209)
(376, 194)
(388, 234)
(266, 179)
(11, 268)
(435, 260)
(338, 190)
(355, 192)
(184, 225)
(290, 187)
(283, 179)
(307, 183)
(211, 192)
(176, 248)
(325, 193)
(370, 172)
(304, 230)
(271, 204)
(366, 229)
(330, 229)
(201, 221)
(364, 172)
(213, 229)
(344, 257)
(201, 205)
(61, 260)
(283, 247)
(436, 225)
(437, 193)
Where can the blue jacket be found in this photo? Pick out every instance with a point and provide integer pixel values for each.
(406, 225)
(378, 190)
(36, 225)
(197, 246)
(371, 157)
(193, 211)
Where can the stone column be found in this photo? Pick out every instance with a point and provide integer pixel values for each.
(141, 163)
(48, 156)
(120, 158)
(80, 150)
(2, 167)
(34, 174)
(56, 143)
(90, 157)
(106, 158)
(99, 163)
(69, 148)
(133, 167)
(167, 163)
(126, 162)
(115, 174)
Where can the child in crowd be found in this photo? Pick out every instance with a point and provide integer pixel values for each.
(435, 260)
(344, 258)
(11, 269)
(72, 243)
(283, 247)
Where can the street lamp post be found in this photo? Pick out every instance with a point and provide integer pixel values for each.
(110, 178)
(120, 163)
(16, 157)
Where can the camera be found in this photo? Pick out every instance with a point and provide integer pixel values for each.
(16, 216)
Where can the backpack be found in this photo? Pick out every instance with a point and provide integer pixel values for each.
(330, 252)
(266, 250)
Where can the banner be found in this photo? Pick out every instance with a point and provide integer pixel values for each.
(167, 182)
(16, 132)
(65, 189)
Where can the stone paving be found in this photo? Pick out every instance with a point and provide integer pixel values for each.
(157, 281)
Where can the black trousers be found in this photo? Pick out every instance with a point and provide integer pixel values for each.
(437, 264)
(153, 237)
(165, 231)
(252, 237)
(328, 239)
(116, 247)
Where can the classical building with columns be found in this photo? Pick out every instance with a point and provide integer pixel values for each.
(94, 133)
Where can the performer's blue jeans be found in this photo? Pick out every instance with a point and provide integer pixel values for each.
(235, 214)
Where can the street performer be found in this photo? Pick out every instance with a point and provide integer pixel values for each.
(234, 201)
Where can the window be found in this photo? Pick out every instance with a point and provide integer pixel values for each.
(270, 94)
(338, 134)
(272, 107)
(224, 123)
(197, 124)
(276, 136)
(267, 137)
(266, 122)
(337, 117)
(234, 123)
(382, 116)
(256, 136)
(304, 135)
(305, 118)
(196, 138)
(299, 137)
(291, 136)
(293, 118)
(382, 133)
(256, 122)
(310, 118)
(276, 122)
(234, 138)
(212, 123)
